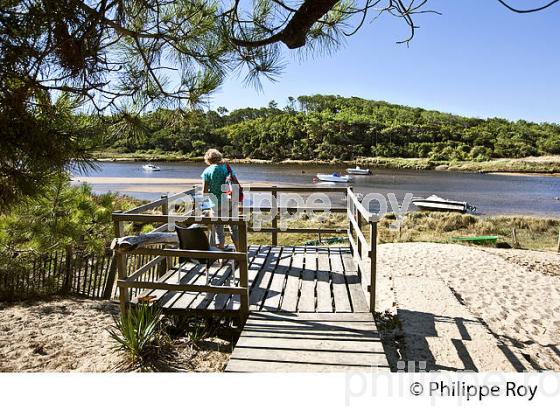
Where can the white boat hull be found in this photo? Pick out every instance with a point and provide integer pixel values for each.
(358, 171)
(333, 178)
(440, 206)
(150, 168)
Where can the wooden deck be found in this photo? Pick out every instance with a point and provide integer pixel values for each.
(289, 279)
(308, 311)
(308, 342)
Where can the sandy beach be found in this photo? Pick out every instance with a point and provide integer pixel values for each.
(70, 334)
(460, 308)
(150, 185)
(469, 308)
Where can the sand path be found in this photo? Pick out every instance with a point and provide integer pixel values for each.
(475, 309)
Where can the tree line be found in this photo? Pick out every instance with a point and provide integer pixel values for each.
(327, 127)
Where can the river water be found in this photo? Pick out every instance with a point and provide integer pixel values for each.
(490, 193)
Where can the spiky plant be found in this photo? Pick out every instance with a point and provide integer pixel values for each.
(139, 333)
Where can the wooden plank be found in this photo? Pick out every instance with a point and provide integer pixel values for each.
(179, 287)
(257, 264)
(284, 208)
(217, 278)
(169, 299)
(306, 301)
(263, 188)
(204, 220)
(340, 289)
(357, 298)
(291, 290)
(275, 292)
(323, 342)
(184, 300)
(317, 317)
(175, 274)
(357, 328)
(324, 294)
(317, 357)
(355, 346)
(211, 301)
(248, 366)
(187, 254)
(260, 285)
(299, 230)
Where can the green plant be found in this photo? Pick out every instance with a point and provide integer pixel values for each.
(139, 333)
(197, 334)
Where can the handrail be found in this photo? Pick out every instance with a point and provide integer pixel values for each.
(164, 200)
(125, 282)
(238, 256)
(265, 188)
(364, 251)
(367, 215)
(363, 248)
(205, 220)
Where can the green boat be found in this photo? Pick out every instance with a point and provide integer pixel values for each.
(485, 239)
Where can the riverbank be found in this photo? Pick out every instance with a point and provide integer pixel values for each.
(546, 165)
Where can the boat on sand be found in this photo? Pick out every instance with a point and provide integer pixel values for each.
(436, 203)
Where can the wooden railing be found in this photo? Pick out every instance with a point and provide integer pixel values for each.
(276, 209)
(362, 235)
(162, 258)
(361, 230)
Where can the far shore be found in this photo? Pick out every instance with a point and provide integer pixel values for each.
(545, 165)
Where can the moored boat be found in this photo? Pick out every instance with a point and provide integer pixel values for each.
(436, 203)
(150, 167)
(358, 171)
(334, 177)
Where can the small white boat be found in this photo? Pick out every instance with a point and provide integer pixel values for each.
(334, 177)
(150, 167)
(358, 171)
(436, 203)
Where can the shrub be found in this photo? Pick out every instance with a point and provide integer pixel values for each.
(139, 333)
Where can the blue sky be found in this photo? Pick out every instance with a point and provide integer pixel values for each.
(477, 59)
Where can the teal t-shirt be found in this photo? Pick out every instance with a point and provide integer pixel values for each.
(215, 175)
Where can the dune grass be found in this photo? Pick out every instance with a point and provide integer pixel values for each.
(531, 232)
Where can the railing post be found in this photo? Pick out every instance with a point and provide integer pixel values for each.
(165, 211)
(164, 205)
(373, 264)
(244, 270)
(274, 210)
(349, 211)
(121, 266)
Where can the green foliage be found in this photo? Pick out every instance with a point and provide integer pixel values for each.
(62, 214)
(331, 128)
(139, 333)
(38, 139)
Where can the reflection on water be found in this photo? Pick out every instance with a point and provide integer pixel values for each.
(491, 194)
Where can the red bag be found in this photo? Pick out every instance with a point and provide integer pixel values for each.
(230, 176)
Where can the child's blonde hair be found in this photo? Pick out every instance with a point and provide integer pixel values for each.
(213, 156)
